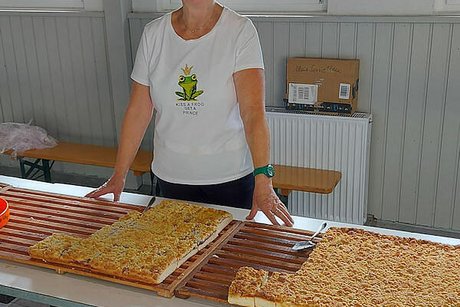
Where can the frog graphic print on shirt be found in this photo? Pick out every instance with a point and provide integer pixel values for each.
(187, 99)
(188, 84)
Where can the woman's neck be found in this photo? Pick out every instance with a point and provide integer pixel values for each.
(195, 16)
(194, 20)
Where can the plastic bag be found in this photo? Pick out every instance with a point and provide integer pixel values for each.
(21, 137)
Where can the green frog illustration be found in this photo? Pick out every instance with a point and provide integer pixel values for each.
(188, 84)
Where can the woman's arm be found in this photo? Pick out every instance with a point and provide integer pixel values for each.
(250, 90)
(136, 120)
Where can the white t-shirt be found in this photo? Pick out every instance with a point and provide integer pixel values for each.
(199, 136)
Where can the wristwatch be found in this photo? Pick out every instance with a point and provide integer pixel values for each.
(267, 170)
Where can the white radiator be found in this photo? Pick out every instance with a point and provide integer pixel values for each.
(326, 142)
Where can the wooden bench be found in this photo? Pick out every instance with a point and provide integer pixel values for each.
(287, 178)
(291, 178)
(80, 154)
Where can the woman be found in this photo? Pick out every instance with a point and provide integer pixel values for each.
(201, 68)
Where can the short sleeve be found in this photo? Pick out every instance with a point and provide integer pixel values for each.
(248, 51)
(140, 72)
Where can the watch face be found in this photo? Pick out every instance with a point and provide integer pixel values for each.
(270, 171)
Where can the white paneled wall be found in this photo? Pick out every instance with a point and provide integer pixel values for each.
(53, 71)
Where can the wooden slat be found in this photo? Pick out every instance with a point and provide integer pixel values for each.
(10, 255)
(267, 246)
(216, 269)
(36, 215)
(84, 214)
(256, 245)
(207, 253)
(226, 258)
(67, 199)
(275, 233)
(61, 220)
(44, 230)
(14, 234)
(4, 237)
(256, 252)
(50, 225)
(69, 202)
(225, 278)
(57, 216)
(264, 239)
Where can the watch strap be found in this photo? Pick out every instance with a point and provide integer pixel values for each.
(267, 170)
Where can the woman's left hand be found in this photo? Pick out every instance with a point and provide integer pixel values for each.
(266, 200)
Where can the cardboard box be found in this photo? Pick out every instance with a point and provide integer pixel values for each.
(323, 82)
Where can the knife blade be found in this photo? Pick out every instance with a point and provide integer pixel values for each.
(149, 205)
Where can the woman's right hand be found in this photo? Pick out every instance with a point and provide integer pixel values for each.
(114, 185)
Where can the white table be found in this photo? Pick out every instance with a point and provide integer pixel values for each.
(43, 285)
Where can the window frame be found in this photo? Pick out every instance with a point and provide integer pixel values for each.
(245, 6)
(73, 5)
(443, 6)
(380, 7)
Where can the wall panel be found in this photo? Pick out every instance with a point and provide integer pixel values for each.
(330, 40)
(104, 97)
(45, 88)
(432, 125)
(6, 106)
(447, 210)
(10, 70)
(314, 39)
(416, 100)
(395, 124)
(365, 52)
(53, 71)
(297, 39)
(34, 102)
(379, 104)
(266, 34)
(347, 40)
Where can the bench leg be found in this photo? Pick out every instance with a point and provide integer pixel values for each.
(23, 168)
(45, 167)
(46, 170)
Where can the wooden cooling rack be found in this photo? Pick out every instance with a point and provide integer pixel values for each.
(250, 244)
(36, 215)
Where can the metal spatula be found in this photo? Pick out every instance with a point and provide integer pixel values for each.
(149, 205)
(308, 244)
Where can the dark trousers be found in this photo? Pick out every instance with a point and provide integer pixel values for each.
(237, 193)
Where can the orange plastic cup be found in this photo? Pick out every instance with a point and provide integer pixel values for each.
(4, 212)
